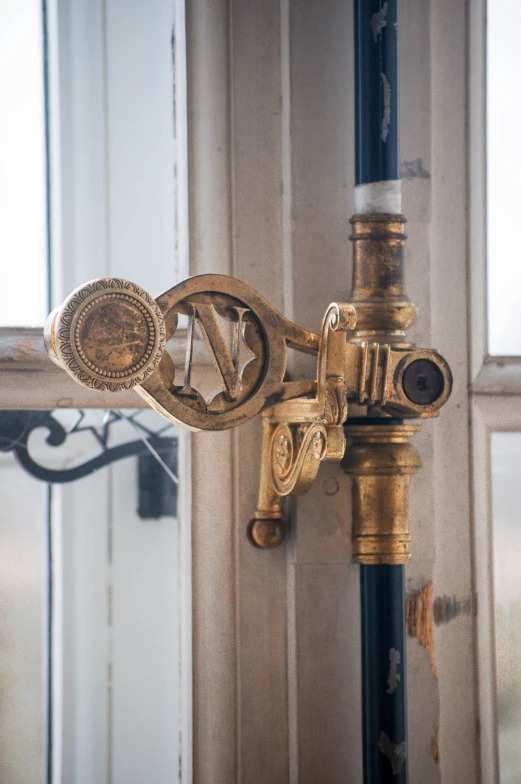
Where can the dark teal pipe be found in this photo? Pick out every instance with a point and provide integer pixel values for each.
(376, 91)
(384, 682)
(377, 158)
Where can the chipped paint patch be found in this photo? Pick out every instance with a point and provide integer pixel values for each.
(394, 677)
(386, 119)
(378, 22)
(419, 621)
(396, 753)
(446, 608)
(436, 746)
(414, 170)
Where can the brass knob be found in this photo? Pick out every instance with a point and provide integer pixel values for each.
(109, 335)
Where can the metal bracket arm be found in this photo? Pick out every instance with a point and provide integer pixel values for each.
(110, 335)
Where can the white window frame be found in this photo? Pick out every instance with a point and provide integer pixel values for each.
(89, 46)
(495, 389)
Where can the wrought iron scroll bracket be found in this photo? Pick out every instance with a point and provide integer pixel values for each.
(157, 453)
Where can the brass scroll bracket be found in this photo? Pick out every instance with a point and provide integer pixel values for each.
(110, 334)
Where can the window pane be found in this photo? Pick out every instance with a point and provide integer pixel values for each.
(506, 529)
(119, 573)
(22, 165)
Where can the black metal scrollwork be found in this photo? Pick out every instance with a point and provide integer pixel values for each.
(157, 453)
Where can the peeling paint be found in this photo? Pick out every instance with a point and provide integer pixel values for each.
(378, 22)
(419, 620)
(330, 486)
(25, 349)
(386, 119)
(394, 678)
(446, 608)
(396, 753)
(413, 170)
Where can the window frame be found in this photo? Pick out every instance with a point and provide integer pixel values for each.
(495, 392)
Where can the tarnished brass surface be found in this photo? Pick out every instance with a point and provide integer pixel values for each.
(395, 380)
(384, 311)
(299, 434)
(381, 462)
(108, 335)
(111, 335)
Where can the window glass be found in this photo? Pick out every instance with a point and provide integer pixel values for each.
(97, 646)
(23, 255)
(506, 532)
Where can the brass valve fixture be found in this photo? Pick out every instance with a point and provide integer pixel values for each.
(109, 335)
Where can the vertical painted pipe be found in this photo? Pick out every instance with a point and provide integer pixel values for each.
(378, 190)
(384, 685)
(377, 150)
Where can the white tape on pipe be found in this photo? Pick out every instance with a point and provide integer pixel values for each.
(384, 196)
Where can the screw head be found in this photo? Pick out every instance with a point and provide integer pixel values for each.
(423, 382)
(266, 534)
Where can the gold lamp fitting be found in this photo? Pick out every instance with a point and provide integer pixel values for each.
(110, 334)
(381, 462)
(383, 309)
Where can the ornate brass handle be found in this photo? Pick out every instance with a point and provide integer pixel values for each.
(110, 334)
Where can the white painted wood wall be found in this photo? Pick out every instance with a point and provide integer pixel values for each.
(276, 633)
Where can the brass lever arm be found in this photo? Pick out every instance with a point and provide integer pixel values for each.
(110, 334)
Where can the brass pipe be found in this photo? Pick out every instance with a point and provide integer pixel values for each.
(383, 309)
(381, 462)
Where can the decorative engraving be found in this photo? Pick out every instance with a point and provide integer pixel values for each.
(282, 452)
(296, 453)
(109, 334)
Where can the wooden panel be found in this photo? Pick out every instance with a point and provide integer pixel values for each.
(329, 687)
(416, 143)
(271, 196)
(327, 655)
(257, 183)
(235, 159)
(214, 651)
(213, 572)
(454, 641)
(499, 376)
(28, 378)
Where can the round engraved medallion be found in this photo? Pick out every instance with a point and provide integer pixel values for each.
(109, 334)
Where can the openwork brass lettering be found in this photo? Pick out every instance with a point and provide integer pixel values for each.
(236, 376)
